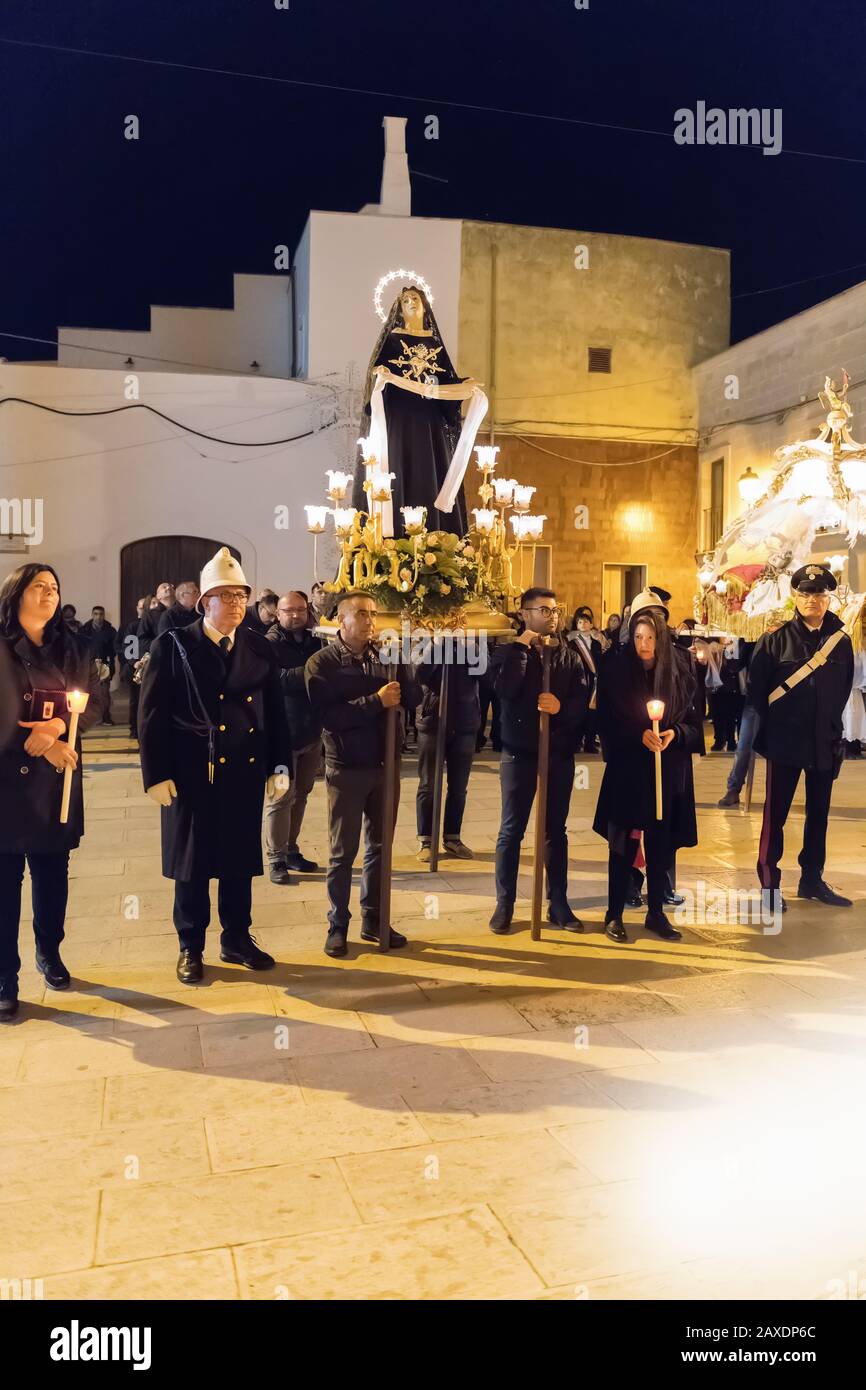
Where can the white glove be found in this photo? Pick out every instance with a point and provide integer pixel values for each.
(162, 792)
(275, 785)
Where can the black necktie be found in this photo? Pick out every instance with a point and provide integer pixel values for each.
(225, 647)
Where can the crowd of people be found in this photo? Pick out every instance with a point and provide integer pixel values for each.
(239, 706)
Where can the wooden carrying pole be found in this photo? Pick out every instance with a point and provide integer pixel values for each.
(439, 766)
(389, 817)
(541, 794)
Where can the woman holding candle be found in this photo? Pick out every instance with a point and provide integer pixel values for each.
(650, 668)
(41, 663)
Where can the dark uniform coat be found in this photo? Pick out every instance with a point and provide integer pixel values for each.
(627, 799)
(212, 829)
(31, 788)
(803, 728)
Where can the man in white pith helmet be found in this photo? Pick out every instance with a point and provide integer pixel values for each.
(213, 736)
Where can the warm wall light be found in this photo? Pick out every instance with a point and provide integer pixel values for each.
(636, 518)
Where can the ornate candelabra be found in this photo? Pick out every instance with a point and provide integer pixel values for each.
(495, 553)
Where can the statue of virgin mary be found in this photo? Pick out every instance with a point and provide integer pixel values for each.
(412, 402)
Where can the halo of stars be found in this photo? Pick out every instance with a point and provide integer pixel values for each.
(410, 276)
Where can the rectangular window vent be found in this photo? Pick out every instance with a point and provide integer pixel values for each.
(599, 359)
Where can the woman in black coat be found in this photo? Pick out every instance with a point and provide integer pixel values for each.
(40, 660)
(650, 666)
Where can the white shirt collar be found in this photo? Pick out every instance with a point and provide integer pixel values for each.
(215, 635)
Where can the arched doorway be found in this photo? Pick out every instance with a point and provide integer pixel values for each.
(144, 564)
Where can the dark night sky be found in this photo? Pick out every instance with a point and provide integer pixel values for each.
(95, 227)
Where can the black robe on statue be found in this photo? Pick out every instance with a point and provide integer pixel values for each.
(422, 432)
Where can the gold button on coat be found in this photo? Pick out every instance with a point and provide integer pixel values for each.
(222, 760)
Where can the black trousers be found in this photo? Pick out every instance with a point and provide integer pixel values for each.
(517, 780)
(192, 911)
(49, 875)
(489, 701)
(355, 798)
(459, 752)
(727, 708)
(621, 872)
(781, 786)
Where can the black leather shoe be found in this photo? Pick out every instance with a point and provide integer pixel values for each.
(673, 899)
(247, 953)
(561, 915)
(54, 971)
(278, 873)
(500, 922)
(8, 997)
(821, 892)
(634, 900)
(335, 945)
(395, 940)
(615, 929)
(190, 969)
(300, 865)
(658, 924)
(729, 799)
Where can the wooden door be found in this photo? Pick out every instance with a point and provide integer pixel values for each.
(145, 564)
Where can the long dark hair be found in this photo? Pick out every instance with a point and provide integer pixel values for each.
(672, 679)
(13, 587)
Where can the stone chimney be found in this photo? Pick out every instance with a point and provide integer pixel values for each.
(395, 199)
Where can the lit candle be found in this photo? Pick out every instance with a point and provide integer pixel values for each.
(518, 526)
(485, 520)
(414, 519)
(338, 484)
(721, 586)
(316, 518)
(367, 449)
(533, 527)
(77, 703)
(380, 486)
(655, 709)
(503, 490)
(486, 455)
(343, 518)
(522, 498)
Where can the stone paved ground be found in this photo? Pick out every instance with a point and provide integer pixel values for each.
(474, 1117)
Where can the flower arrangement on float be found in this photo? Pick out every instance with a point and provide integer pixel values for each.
(431, 576)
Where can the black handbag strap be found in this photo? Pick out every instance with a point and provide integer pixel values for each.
(192, 689)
